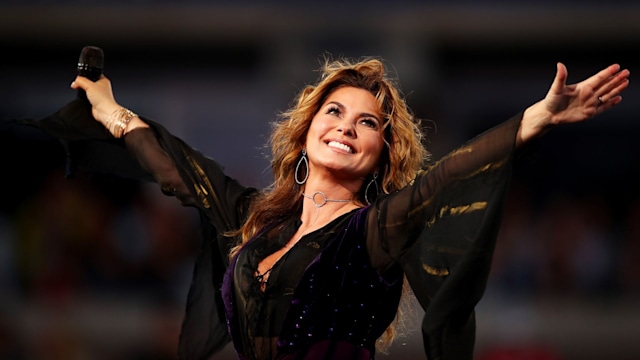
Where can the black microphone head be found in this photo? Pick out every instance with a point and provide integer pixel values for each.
(91, 62)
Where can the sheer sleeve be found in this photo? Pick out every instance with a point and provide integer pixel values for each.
(156, 155)
(222, 203)
(441, 229)
(193, 178)
(144, 147)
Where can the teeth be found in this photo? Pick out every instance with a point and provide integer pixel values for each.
(338, 145)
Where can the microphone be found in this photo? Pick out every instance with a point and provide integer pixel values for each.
(90, 65)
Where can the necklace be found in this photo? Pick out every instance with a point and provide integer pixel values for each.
(320, 204)
(325, 199)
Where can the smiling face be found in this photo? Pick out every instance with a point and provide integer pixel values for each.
(345, 137)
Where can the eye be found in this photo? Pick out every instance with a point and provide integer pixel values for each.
(334, 110)
(369, 123)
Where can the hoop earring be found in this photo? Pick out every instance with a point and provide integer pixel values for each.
(375, 186)
(302, 160)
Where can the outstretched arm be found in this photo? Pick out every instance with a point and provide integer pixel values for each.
(104, 107)
(573, 103)
(198, 181)
(402, 216)
(180, 170)
(442, 229)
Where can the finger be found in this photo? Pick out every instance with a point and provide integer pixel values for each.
(615, 86)
(601, 77)
(560, 81)
(80, 82)
(612, 98)
(616, 91)
(606, 105)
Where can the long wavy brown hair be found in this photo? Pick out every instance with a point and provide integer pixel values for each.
(403, 155)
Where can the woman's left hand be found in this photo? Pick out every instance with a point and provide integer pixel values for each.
(572, 103)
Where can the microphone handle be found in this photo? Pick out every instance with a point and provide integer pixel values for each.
(90, 65)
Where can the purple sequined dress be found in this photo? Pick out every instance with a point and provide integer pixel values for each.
(323, 299)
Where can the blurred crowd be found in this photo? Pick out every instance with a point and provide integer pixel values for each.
(573, 246)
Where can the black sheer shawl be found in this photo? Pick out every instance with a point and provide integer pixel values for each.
(447, 266)
(90, 148)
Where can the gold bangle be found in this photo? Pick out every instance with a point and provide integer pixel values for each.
(118, 121)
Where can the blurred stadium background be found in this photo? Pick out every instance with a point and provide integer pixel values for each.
(98, 268)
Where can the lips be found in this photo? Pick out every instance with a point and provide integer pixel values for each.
(340, 146)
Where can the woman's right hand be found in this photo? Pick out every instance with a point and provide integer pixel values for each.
(100, 95)
(104, 107)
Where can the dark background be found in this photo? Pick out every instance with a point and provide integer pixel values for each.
(98, 268)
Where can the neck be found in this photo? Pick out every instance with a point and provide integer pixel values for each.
(332, 187)
(320, 199)
(340, 197)
(320, 207)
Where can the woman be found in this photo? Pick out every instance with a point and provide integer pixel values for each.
(313, 266)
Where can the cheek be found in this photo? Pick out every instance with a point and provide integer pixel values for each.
(317, 127)
(312, 130)
(376, 146)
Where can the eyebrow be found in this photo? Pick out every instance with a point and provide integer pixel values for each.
(364, 114)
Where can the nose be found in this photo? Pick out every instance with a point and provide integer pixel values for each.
(347, 129)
